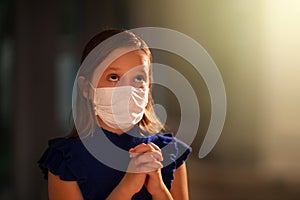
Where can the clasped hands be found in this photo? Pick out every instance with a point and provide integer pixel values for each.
(144, 168)
(145, 158)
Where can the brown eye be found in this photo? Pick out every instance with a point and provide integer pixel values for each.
(113, 77)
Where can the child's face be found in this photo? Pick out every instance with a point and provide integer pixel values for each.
(130, 69)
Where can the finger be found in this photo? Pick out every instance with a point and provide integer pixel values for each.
(156, 154)
(154, 146)
(156, 165)
(146, 169)
(150, 167)
(143, 168)
(149, 157)
(133, 155)
(143, 148)
(144, 158)
(140, 147)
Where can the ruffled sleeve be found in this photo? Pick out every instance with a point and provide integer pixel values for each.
(183, 151)
(177, 150)
(61, 160)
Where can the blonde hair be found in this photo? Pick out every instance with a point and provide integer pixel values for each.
(83, 113)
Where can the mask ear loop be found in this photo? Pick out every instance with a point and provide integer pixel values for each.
(92, 86)
(93, 102)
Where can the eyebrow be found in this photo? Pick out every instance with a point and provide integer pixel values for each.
(112, 69)
(118, 69)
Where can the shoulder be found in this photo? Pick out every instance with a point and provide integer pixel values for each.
(63, 142)
(65, 147)
(62, 157)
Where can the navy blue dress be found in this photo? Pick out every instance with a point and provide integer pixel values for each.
(71, 160)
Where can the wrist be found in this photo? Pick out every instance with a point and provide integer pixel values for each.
(132, 183)
(156, 186)
(162, 194)
(121, 192)
(159, 190)
(126, 192)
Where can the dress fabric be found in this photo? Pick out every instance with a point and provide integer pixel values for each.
(76, 159)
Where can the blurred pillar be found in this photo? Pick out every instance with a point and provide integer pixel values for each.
(34, 91)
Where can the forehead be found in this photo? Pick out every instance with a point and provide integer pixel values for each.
(137, 58)
(123, 60)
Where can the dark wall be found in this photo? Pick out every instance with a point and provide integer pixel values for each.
(41, 43)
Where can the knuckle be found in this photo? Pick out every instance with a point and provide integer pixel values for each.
(136, 161)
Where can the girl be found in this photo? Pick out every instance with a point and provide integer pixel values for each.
(113, 114)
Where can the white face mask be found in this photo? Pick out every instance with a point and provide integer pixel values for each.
(120, 107)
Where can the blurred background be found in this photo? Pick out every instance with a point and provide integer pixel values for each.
(254, 43)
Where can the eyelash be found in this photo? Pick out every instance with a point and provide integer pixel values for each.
(139, 77)
(113, 78)
(113, 75)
